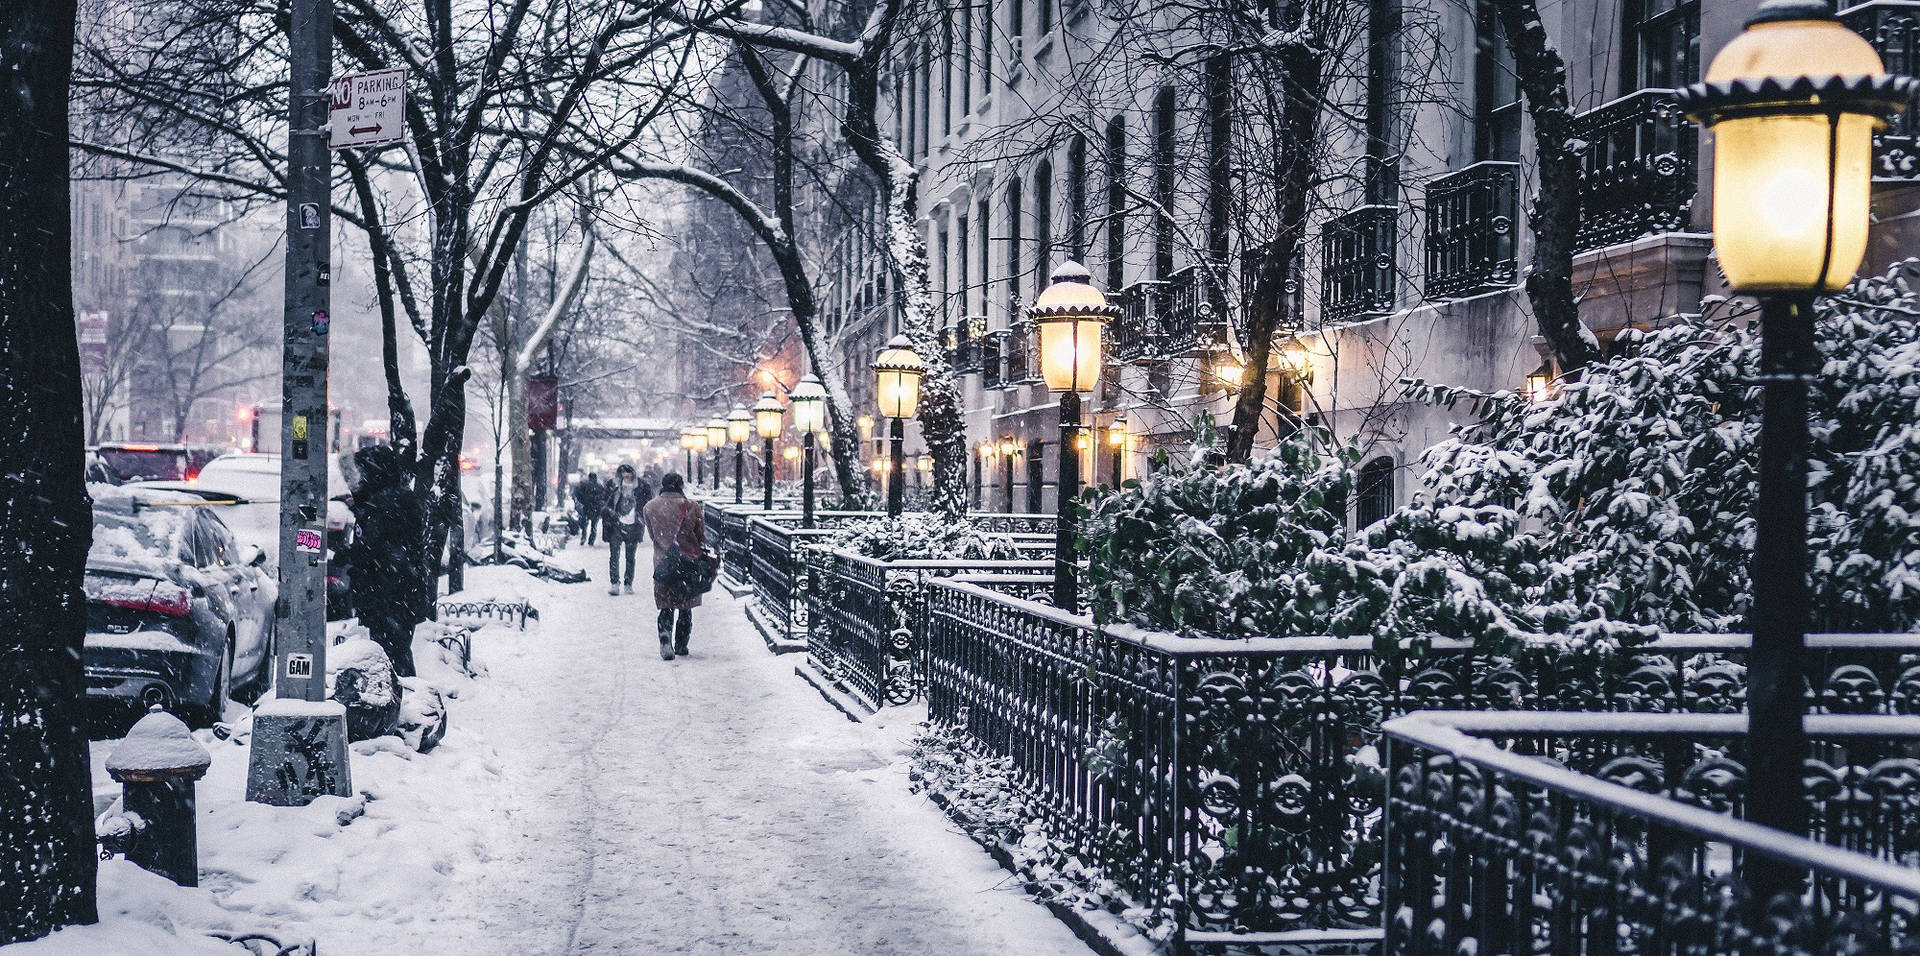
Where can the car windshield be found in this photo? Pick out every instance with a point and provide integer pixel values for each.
(148, 539)
(146, 465)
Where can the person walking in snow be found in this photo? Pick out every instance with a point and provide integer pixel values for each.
(391, 588)
(587, 497)
(674, 521)
(621, 513)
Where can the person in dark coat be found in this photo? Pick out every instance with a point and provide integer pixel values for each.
(621, 515)
(587, 496)
(675, 521)
(391, 588)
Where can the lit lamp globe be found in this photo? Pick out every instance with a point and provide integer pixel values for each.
(739, 424)
(686, 439)
(897, 371)
(698, 438)
(1117, 433)
(1069, 314)
(716, 433)
(767, 414)
(809, 400)
(1793, 103)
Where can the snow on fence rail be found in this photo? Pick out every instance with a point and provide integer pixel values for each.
(1238, 783)
(510, 612)
(1628, 834)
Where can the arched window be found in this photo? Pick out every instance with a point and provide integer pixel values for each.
(1116, 224)
(1375, 492)
(1043, 223)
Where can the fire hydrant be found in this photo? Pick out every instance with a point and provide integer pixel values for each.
(156, 766)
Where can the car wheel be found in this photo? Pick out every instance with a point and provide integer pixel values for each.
(205, 715)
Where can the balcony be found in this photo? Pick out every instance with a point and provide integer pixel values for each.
(963, 342)
(1021, 353)
(1293, 303)
(1893, 27)
(1470, 230)
(1357, 263)
(1195, 316)
(1136, 334)
(1638, 169)
(993, 349)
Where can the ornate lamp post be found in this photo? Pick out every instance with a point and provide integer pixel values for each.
(1069, 314)
(810, 417)
(1792, 176)
(739, 429)
(686, 445)
(897, 371)
(766, 421)
(716, 429)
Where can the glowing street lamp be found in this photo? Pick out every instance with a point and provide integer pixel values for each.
(809, 400)
(716, 429)
(766, 421)
(1792, 103)
(1117, 440)
(1069, 314)
(739, 429)
(897, 372)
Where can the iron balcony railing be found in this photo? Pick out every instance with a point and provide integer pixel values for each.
(967, 333)
(1471, 234)
(1357, 265)
(1620, 833)
(1195, 315)
(1239, 784)
(1021, 356)
(1292, 291)
(1638, 168)
(1136, 336)
(993, 359)
(1893, 27)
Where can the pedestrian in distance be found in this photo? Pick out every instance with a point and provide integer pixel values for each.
(621, 514)
(587, 497)
(520, 509)
(675, 522)
(391, 588)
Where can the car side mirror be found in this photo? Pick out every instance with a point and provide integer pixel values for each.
(254, 556)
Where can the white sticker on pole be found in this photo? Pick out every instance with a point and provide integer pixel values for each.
(367, 109)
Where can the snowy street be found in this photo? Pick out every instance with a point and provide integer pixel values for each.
(592, 798)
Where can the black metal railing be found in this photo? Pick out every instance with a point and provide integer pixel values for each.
(727, 536)
(1136, 336)
(1638, 168)
(1195, 314)
(1619, 833)
(1261, 816)
(869, 617)
(966, 350)
(993, 359)
(1471, 232)
(1292, 292)
(1021, 356)
(1357, 267)
(1893, 27)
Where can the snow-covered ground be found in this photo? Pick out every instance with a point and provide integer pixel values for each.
(592, 798)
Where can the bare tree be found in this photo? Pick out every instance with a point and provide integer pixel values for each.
(47, 859)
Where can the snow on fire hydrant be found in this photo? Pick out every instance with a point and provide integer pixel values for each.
(156, 766)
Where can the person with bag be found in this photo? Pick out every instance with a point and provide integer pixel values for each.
(682, 567)
(621, 518)
(586, 501)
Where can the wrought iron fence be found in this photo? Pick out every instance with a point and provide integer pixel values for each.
(1021, 353)
(1471, 233)
(1618, 833)
(993, 359)
(1195, 313)
(509, 612)
(1639, 168)
(727, 535)
(1893, 27)
(1357, 268)
(1260, 818)
(1136, 336)
(869, 617)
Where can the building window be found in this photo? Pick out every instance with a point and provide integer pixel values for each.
(1015, 272)
(946, 76)
(1374, 491)
(1116, 202)
(1219, 154)
(982, 222)
(1036, 477)
(963, 257)
(983, 42)
(1046, 16)
(1163, 141)
(1383, 73)
(1077, 199)
(1043, 223)
(1662, 49)
(926, 99)
(966, 61)
(1496, 94)
(1017, 24)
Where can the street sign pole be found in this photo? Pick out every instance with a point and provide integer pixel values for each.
(299, 743)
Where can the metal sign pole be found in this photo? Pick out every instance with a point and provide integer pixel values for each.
(299, 744)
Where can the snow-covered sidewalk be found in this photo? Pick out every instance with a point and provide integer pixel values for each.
(592, 798)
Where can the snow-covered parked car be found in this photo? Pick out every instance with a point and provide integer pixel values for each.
(179, 613)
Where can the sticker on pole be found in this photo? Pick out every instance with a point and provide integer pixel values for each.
(300, 665)
(367, 109)
(308, 540)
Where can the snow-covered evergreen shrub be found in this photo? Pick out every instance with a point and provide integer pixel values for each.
(924, 537)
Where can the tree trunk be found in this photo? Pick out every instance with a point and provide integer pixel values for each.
(47, 850)
(1554, 213)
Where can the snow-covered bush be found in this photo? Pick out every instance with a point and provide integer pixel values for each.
(923, 537)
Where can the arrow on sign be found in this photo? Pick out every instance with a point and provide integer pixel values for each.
(357, 130)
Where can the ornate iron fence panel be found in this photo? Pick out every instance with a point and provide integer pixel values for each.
(993, 359)
(1357, 267)
(1136, 335)
(1893, 27)
(781, 579)
(1585, 833)
(1262, 815)
(1195, 314)
(1639, 169)
(1471, 230)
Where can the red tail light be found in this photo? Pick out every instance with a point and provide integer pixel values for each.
(169, 599)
